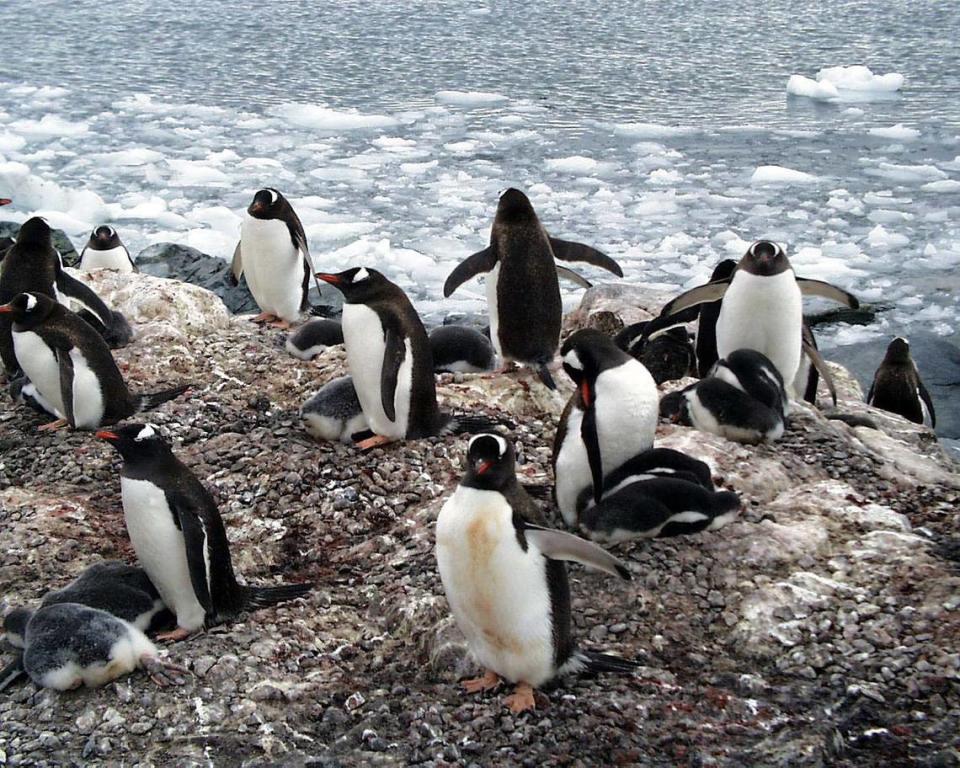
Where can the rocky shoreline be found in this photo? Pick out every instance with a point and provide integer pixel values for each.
(822, 628)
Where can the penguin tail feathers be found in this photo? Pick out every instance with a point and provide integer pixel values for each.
(591, 663)
(263, 597)
(10, 673)
(472, 424)
(118, 333)
(544, 373)
(152, 400)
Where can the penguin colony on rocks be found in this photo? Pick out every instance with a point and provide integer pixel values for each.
(502, 569)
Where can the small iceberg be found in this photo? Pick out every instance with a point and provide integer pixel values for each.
(856, 83)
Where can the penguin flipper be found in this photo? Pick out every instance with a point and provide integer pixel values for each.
(12, 672)
(560, 545)
(588, 433)
(195, 541)
(827, 291)
(65, 364)
(236, 266)
(81, 293)
(821, 365)
(927, 400)
(573, 277)
(133, 264)
(664, 322)
(702, 294)
(481, 261)
(570, 251)
(394, 352)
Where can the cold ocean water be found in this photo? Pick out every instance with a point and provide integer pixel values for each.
(661, 132)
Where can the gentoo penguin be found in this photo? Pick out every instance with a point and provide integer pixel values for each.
(334, 413)
(713, 405)
(67, 645)
(610, 418)
(506, 583)
(105, 250)
(313, 337)
(459, 349)
(274, 256)
(24, 392)
(71, 366)
(121, 590)
(897, 386)
(33, 265)
(667, 355)
(761, 308)
(753, 373)
(523, 294)
(179, 538)
(656, 507)
(389, 358)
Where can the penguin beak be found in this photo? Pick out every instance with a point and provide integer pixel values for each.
(5, 201)
(104, 435)
(585, 393)
(332, 279)
(483, 466)
(6, 308)
(256, 208)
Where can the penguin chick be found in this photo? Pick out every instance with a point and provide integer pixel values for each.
(334, 413)
(459, 349)
(312, 338)
(176, 530)
(752, 372)
(713, 405)
(506, 583)
(898, 388)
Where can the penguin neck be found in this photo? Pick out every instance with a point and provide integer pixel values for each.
(145, 466)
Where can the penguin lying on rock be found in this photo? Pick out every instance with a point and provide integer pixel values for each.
(313, 337)
(71, 366)
(389, 357)
(506, 582)
(334, 413)
(176, 530)
(458, 349)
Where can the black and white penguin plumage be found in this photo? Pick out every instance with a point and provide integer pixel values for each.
(898, 388)
(274, 256)
(33, 265)
(313, 338)
(668, 355)
(713, 405)
(753, 373)
(105, 250)
(523, 292)
(24, 392)
(176, 531)
(657, 507)
(66, 645)
(761, 308)
(71, 366)
(610, 418)
(505, 580)
(334, 413)
(459, 349)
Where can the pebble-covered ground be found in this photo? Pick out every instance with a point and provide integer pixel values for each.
(822, 628)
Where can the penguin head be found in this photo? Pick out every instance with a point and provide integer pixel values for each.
(764, 258)
(15, 626)
(586, 354)
(136, 441)
(898, 351)
(29, 308)
(104, 237)
(515, 206)
(490, 462)
(267, 204)
(359, 285)
(35, 231)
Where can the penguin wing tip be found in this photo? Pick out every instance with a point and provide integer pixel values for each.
(624, 573)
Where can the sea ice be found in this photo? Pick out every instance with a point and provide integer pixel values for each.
(856, 83)
(469, 98)
(798, 85)
(49, 127)
(777, 174)
(898, 132)
(907, 174)
(318, 118)
(879, 237)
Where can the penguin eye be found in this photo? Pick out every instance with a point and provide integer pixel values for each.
(573, 360)
(361, 275)
(145, 434)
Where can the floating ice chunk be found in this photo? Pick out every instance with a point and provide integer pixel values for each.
(217, 217)
(860, 78)
(798, 85)
(898, 132)
(260, 162)
(329, 232)
(665, 177)
(34, 193)
(944, 185)
(651, 130)
(461, 147)
(327, 120)
(887, 216)
(11, 142)
(881, 238)
(50, 126)
(339, 174)
(907, 174)
(777, 174)
(127, 157)
(577, 164)
(393, 143)
(416, 169)
(469, 98)
(196, 173)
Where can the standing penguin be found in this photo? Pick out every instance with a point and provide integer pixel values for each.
(71, 366)
(523, 293)
(32, 265)
(761, 308)
(506, 583)
(610, 418)
(179, 538)
(274, 256)
(105, 250)
(897, 386)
